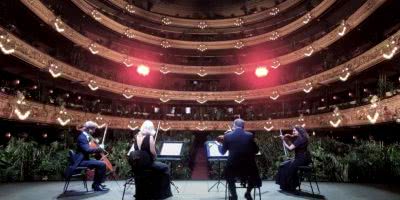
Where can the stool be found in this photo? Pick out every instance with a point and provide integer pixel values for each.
(79, 171)
(242, 184)
(309, 173)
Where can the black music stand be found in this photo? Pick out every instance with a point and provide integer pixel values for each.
(171, 151)
(213, 154)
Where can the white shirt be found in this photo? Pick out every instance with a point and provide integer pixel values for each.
(87, 135)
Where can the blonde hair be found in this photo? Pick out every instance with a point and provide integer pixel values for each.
(147, 128)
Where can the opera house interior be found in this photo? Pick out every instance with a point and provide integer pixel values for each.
(199, 99)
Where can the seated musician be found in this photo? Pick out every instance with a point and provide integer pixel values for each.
(83, 152)
(241, 160)
(144, 141)
(287, 173)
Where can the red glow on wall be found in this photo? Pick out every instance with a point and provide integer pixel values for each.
(143, 70)
(261, 72)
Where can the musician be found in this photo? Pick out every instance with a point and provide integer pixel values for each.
(82, 159)
(241, 160)
(144, 141)
(287, 176)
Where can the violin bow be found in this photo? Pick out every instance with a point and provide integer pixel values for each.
(283, 143)
(104, 137)
(158, 128)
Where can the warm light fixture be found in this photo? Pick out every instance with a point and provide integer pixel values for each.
(93, 48)
(96, 15)
(132, 125)
(164, 98)
(335, 124)
(275, 95)
(309, 51)
(373, 119)
(261, 72)
(6, 45)
(54, 70)
(307, 18)
(128, 62)
(93, 85)
(239, 70)
(143, 70)
(239, 44)
(308, 87)
(389, 49)
(63, 122)
(343, 28)
(164, 126)
(164, 69)
(345, 74)
(274, 35)
(201, 126)
(202, 72)
(239, 99)
(202, 47)
(130, 8)
(275, 64)
(166, 21)
(59, 25)
(269, 125)
(128, 94)
(274, 11)
(201, 99)
(239, 22)
(202, 25)
(165, 44)
(129, 33)
(21, 115)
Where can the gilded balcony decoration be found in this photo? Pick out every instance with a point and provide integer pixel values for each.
(148, 38)
(356, 65)
(7, 46)
(353, 21)
(357, 116)
(217, 23)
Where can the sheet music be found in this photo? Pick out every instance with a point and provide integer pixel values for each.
(171, 149)
(214, 151)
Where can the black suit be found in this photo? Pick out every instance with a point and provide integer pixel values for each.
(82, 158)
(241, 160)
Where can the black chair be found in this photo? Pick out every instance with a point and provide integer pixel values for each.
(79, 172)
(242, 184)
(308, 172)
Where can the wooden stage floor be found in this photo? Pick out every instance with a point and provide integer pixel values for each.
(197, 190)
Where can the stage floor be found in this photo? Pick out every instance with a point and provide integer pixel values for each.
(193, 190)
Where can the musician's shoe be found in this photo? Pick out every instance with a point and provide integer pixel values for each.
(247, 195)
(98, 188)
(103, 186)
(233, 198)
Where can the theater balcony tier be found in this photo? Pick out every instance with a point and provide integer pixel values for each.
(353, 21)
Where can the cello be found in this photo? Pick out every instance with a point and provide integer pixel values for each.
(103, 155)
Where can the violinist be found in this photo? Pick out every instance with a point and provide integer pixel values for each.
(241, 160)
(287, 176)
(83, 152)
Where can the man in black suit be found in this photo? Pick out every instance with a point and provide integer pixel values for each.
(81, 158)
(241, 160)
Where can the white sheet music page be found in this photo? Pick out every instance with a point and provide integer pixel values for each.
(214, 151)
(171, 149)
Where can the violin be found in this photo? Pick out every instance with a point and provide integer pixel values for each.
(220, 138)
(103, 155)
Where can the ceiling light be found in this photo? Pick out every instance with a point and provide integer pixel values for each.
(143, 70)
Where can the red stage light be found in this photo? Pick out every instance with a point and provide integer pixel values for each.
(143, 70)
(261, 72)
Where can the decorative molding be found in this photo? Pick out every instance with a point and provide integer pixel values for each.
(212, 23)
(353, 21)
(358, 64)
(225, 44)
(41, 113)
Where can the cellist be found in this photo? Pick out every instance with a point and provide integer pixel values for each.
(82, 159)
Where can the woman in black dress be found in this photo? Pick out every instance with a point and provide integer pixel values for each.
(287, 176)
(144, 141)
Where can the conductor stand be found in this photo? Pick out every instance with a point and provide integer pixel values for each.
(171, 151)
(213, 155)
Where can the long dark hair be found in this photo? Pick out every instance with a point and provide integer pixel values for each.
(302, 131)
